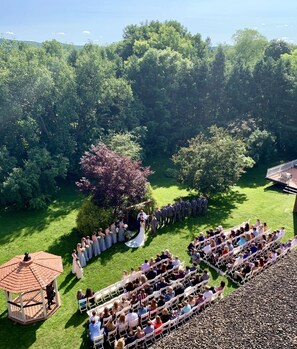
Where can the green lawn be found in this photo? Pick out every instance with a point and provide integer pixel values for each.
(51, 230)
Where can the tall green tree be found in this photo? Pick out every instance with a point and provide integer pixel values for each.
(212, 163)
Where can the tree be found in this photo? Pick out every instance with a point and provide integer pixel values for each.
(113, 180)
(212, 164)
(125, 144)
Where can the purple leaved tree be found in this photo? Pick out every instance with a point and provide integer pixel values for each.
(113, 180)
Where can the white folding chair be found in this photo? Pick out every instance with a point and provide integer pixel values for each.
(98, 342)
(140, 342)
(82, 305)
(150, 338)
(111, 336)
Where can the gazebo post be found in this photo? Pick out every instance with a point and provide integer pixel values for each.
(43, 303)
(22, 307)
(8, 299)
(57, 296)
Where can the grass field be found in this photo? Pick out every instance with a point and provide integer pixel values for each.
(51, 230)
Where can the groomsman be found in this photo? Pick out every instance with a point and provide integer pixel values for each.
(188, 208)
(183, 209)
(204, 205)
(177, 211)
(164, 215)
(194, 207)
(154, 225)
(169, 214)
(158, 215)
(199, 206)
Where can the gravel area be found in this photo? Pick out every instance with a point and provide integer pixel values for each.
(261, 314)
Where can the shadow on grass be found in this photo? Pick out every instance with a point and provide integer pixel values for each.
(76, 320)
(29, 222)
(26, 334)
(254, 178)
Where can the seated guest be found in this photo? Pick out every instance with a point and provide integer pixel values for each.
(191, 301)
(145, 266)
(139, 332)
(221, 287)
(179, 290)
(131, 317)
(89, 296)
(158, 258)
(207, 249)
(205, 276)
(124, 302)
(119, 344)
(191, 246)
(170, 265)
(80, 295)
(121, 323)
(186, 307)
(94, 329)
(199, 299)
(109, 327)
(163, 255)
(153, 305)
(195, 256)
(162, 284)
(151, 274)
(207, 295)
(254, 248)
(142, 310)
(201, 237)
(176, 261)
(149, 328)
(243, 271)
(105, 314)
(157, 322)
(116, 307)
(165, 316)
(148, 289)
(152, 261)
(169, 294)
(94, 316)
(130, 337)
(141, 295)
(194, 266)
(161, 301)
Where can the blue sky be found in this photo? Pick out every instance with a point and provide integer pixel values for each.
(103, 21)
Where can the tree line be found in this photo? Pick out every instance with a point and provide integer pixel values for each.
(157, 88)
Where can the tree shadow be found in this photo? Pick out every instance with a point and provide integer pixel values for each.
(29, 222)
(295, 222)
(253, 178)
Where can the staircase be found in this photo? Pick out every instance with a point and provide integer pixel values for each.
(290, 190)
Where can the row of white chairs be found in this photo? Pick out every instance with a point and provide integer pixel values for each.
(115, 289)
(201, 244)
(99, 309)
(164, 328)
(222, 260)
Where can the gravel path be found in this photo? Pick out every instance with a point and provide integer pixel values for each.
(261, 314)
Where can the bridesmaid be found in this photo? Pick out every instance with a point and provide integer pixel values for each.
(85, 247)
(79, 269)
(96, 247)
(114, 233)
(101, 238)
(121, 231)
(80, 255)
(74, 257)
(89, 242)
(108, 238)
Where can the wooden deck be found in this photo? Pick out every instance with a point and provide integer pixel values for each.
(291, 183)
(33, 308)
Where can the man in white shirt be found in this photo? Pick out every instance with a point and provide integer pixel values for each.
(131, 318)
(176, 261)
(207, 295)
(207, 249)
(145, 266)
(142, 214)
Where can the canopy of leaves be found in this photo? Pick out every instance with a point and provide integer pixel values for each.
(111, 179)
(212, 163)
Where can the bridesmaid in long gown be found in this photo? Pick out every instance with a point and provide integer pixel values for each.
(89, 242)
(96, 247)
(101, 238)
(79, 269)
(114, 233)
(121, 231)
(108, 238)
(85, 247)
(80, 255)
(74, 257)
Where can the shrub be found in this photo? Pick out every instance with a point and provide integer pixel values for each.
(92, 217)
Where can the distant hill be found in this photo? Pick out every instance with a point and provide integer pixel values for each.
(38, 44)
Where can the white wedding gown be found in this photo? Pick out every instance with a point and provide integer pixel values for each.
(139, 240)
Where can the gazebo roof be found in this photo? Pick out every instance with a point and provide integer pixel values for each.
(18, 276)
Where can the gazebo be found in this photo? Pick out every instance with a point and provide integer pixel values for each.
(26, 281)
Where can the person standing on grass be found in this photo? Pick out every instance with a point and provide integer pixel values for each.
(154, 225)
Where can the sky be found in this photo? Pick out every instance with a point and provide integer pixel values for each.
(103, 21)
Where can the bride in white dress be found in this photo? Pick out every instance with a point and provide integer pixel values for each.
(139, 240)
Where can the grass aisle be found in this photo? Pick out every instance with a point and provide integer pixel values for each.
(51, 230)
